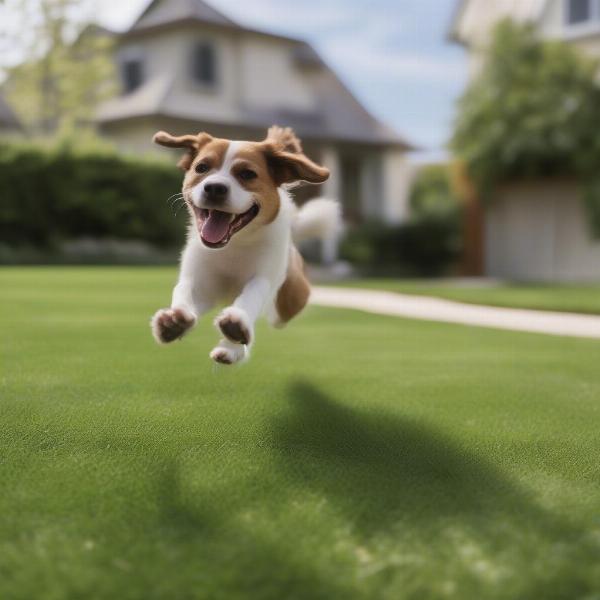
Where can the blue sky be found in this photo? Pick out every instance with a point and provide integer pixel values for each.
(393, 54)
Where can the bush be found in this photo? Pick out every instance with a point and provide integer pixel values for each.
(427, 247)
(428, 244)
(533, 111)
(48, 195)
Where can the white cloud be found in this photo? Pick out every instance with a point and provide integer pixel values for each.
(364, 58)
(117, 14)
(301, 17)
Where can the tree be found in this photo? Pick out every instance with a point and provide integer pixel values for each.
(534, 111)
(432, 195)
(65, 68)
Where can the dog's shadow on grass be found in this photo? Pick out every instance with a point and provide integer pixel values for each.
(384, 474)
(379, 467)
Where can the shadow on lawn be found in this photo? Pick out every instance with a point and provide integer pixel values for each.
(387, 476)
(380, 468)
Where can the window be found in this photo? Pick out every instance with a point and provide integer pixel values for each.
(204, 67)
(132, 74)
(580, 11)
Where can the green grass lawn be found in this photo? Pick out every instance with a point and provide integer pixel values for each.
(562, 298)
(355, 456)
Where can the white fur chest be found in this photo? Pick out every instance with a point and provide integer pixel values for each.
(221, 274)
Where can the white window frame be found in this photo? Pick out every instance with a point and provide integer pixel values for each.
(585, 28)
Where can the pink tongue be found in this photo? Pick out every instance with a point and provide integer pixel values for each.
(216, 226)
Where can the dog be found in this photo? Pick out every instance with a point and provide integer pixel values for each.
(241, 240)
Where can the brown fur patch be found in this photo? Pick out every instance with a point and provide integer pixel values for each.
(213, 154)
(193, 143)
(285, 139)
(293, 295)
(277, 160)
(287, 161)
(251, 156)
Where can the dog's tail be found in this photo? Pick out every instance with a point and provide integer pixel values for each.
(320, 218)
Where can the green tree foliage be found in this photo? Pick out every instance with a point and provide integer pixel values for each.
(65, 68)
(432, 196)
(534, 111)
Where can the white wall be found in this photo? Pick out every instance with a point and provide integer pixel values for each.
(539, 231)
(331, 160)
(169, 55)
(553, 25)
(398, 176)
(134, 136)
(190, 97)
(269, 78)
(552, 21)
(253, 71)
(480, 16)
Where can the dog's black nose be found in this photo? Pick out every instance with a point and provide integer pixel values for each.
(215, 191)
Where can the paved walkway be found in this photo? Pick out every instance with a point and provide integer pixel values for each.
(436, 309)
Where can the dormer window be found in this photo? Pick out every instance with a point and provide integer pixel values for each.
(204, 64)
(132, 74)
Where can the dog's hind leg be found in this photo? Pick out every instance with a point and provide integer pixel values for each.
(228, 353)
(293, 295)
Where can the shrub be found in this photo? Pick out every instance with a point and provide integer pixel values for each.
(533, 111)
(432, 195)
(48, 195)
(427, 244)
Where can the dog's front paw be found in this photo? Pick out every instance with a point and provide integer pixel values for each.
(235, 325)
(169, 324)
(228, 354)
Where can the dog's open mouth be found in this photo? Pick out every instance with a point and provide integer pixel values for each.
(216, 227)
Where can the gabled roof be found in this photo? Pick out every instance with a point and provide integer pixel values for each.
(163, 12)
(338, 116)
(473, 19)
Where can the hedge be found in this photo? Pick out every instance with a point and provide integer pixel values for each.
(49, 195)
(428, 244)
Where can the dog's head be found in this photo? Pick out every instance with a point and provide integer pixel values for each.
(230, 187)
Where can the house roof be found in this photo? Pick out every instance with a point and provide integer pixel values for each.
(339, 116)
(472, 19)
(163, 12)
(8, 119)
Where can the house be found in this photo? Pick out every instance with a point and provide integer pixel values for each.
(535, 230)
(186, 67)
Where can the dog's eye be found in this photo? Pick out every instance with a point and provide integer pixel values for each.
(247, 175)
(202, 167)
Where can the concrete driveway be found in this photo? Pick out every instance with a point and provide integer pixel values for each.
(446, 311)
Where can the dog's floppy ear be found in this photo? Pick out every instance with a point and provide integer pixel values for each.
(193, 143)
(287, 161)
(284, 138)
